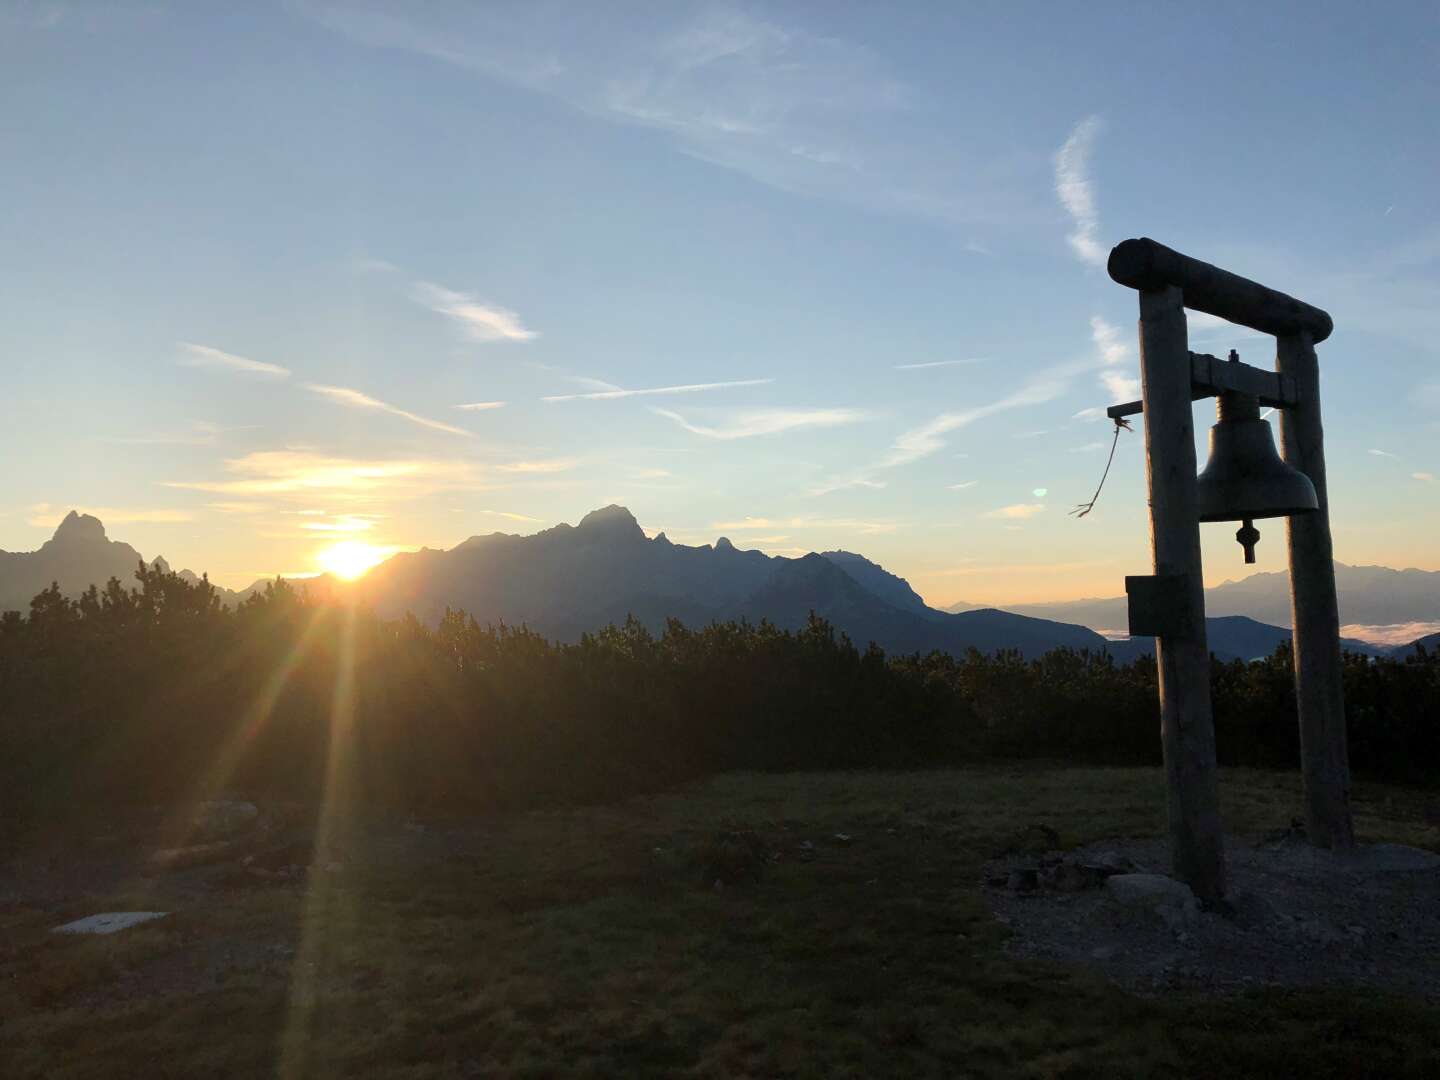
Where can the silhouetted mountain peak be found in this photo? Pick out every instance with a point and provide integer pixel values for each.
(79, 528)
(160, 564)
(724, 544)
(610, 520)
(891, 588)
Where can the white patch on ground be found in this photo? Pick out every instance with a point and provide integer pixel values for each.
(109, 922)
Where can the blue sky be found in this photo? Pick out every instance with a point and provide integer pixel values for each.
(259, 258)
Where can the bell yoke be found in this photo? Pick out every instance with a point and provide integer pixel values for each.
(1244, 480)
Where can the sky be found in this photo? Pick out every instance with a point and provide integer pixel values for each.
(291, 286)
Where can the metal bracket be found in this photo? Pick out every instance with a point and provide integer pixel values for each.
(1160, 605)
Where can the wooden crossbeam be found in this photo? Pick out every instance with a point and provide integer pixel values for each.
(1144, 264)
(1211, 376)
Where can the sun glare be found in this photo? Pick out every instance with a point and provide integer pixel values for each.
(349, 559)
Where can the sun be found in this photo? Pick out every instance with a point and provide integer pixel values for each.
(349, 559)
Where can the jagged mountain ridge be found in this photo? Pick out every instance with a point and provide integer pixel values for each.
(78, 555)
(567, 580)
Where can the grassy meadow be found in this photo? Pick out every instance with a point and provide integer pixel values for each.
(591, 942)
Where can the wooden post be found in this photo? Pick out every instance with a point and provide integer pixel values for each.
(1182, 657)
(1319, 682)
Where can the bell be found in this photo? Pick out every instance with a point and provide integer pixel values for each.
(1245, 478)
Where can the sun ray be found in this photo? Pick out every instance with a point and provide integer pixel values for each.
(323, 918)
(180, 828)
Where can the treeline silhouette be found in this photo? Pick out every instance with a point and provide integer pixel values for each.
(156, 693)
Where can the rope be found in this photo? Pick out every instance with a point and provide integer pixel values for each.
(1084, 508)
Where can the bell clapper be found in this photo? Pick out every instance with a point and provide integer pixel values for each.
(1248, 536)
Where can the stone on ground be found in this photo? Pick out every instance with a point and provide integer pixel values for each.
(108, 922)
(1170, 899)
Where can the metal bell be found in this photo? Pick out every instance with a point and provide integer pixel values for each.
(1245, 478)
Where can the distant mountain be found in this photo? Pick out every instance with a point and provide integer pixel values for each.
(1370, 595)
(1430, 643)
(1235, 637)
(77, 556)
(891, 588)
(564, 581)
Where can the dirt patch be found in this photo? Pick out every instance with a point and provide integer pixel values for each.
(1299, 917)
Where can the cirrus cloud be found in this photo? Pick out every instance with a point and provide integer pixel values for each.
(480, 321)
(744, 425)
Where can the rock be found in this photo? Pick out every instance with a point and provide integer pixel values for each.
(1170, 899)
(1254, 911)
(194, 855)
(109, 922)
(1075, 877)
(223, 819)
(1023, 881)
(1113, 863)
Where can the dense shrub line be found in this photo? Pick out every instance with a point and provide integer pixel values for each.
(157, 693)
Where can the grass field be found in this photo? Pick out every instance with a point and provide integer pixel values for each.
(563, 943)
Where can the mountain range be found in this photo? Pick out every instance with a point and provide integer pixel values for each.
(1369, 596)
(567, 580)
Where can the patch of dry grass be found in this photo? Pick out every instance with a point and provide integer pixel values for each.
(562, 943)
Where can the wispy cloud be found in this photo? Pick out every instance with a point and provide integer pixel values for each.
(480, 321)
(482, 406)
(551, 466)
(357, 400)
(744, 425)
(238, 507)
(511, 516)
(306, 474)
(1384, 454)
(964, 485)
(1423, 477)
(1076, 192)
(347, 524)
(613, 392)
(193, 355)
(925, 440)
(941, 363)
(1112, 352)
(195, 433)
(805, 112)
(1089, 447)
(765, 524)
(1016, 511)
